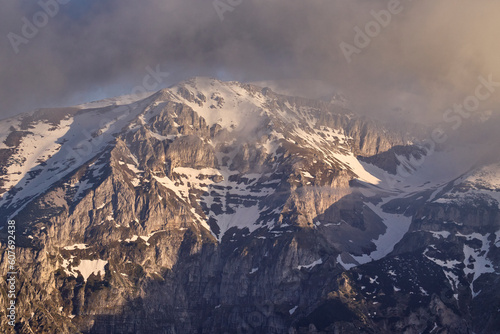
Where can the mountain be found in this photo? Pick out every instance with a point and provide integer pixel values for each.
(222, 207)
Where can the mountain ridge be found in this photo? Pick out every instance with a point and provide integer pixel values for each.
(224, 207)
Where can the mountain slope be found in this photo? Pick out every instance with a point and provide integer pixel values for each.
(218, 206)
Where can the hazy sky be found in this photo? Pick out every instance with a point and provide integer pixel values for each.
(427, 58)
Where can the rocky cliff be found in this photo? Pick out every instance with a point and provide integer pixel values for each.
(215, 207)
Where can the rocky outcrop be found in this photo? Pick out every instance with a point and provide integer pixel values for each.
(185, 222)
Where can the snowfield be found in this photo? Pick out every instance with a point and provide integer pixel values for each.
(47, 153)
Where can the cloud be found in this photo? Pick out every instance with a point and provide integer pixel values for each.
(426, 59)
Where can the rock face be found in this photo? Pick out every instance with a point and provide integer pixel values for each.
(214, 207)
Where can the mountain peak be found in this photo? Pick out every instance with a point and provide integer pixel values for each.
(212, 194)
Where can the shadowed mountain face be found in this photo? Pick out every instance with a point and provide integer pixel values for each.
(220, 207)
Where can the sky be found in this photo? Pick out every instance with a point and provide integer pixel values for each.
(393, 59)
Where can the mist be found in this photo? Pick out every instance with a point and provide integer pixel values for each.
(424, 58)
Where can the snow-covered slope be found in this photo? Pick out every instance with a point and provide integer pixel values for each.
(203, 199)
(481, 184)
(48, 149)
(236, 121)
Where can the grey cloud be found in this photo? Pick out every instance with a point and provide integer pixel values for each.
(426, 59)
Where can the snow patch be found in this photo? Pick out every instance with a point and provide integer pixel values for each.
(311, 265)
(76, 246)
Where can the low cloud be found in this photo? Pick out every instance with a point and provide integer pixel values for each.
(426, 59)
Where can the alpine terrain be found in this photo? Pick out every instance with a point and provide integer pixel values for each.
(220, 207)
